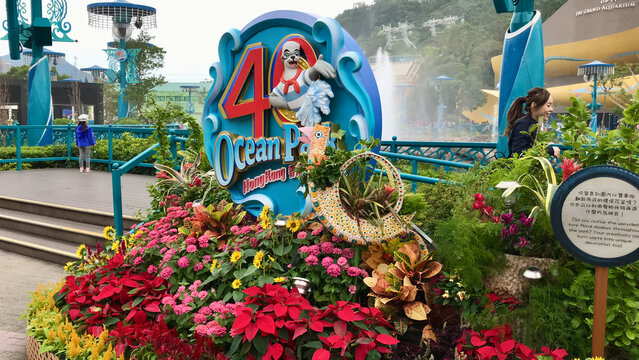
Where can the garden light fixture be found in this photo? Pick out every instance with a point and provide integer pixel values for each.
(532, 273)
(509, 200)
(303, 285)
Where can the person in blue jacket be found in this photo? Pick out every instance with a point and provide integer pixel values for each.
(538, 106)
(84, 139)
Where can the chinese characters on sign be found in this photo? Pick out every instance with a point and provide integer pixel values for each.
(601, 217)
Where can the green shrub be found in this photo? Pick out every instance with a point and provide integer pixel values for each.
(62, 121)
(128, 121)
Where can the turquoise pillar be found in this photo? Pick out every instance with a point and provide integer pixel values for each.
(123, 105)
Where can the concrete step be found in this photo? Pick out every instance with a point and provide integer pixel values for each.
(64, 212)
(52, 228)
(36, 246)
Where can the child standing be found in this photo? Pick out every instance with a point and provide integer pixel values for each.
(84, 139)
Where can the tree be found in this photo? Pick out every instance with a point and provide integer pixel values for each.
(16, 72)
(149, 60)
(74, 98)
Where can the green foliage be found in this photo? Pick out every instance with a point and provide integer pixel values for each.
(622, 318)
(163, 115)
(615, 147)
(128, 121)
(16, 72)
(196, 137)
(149, 60)
(62, 121)
(546, 321)
(124, 149)
(469, 247)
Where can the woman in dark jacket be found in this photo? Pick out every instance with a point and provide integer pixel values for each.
(538, 105)
(84, 139)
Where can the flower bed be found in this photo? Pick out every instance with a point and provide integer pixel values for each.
(212, 282)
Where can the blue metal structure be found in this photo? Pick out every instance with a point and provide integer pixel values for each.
(189, 88)
(522, 66)
(39, 33)
(121, 16)
(594, 71)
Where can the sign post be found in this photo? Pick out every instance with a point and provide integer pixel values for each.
(595, 217)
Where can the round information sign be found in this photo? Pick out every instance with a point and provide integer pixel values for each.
(595, 216)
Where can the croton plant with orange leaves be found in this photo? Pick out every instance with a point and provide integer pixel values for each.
(400, 287)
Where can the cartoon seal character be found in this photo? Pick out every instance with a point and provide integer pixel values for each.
(302, 90)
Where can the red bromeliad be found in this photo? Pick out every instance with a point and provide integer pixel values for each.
(569, 167)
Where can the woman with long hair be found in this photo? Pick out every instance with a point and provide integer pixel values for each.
(538, 107)
(84, 139)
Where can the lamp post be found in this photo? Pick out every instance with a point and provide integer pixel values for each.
(121, 16)
(36, 35)
(189, 89)
(594, 71)
(438, 82)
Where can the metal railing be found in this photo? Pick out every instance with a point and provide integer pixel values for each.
(118, 170)
(16, 135)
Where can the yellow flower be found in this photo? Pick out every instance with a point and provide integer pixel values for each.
(236, 256)
(279, 279)
(213, 264)
(67, 266)
(446, 294)
(257, 260)
(81, 250)
(461, 295)
(236, 284)
(271, 258)
(115, 245)
(293, 225)
(460, 285)
(264, 212)
(266, 223)
(109, 233)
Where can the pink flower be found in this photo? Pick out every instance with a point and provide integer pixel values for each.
(190, 241)
(352, 289)
(314, 250)
(205, 311)
(522, 242)
(196, 284)
(137, 261)
(166, 273)
(479, 197)
(312, 260)
(168, 300)
(202, 294)
(478, 205)
(363, 273)
(245, 230)
(206, 259)
(191, 248)
(342, 261)
(199, 319)
(203, 241)
(235, 229)
(303, 249)
(333, 270)
(352, 271)
(335, 239)
(326, 247)
(152, 269)
(289, 266)
(327, 261)
(181, 309)
(348, 253)
(183, 262)
(317, 232)
(301, 235)
(197, 267)
(337, 251)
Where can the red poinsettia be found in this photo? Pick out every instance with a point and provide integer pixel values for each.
(276, 322)
(497, 343)
(115, 296)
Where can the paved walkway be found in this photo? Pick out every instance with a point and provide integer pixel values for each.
(70, 187)
(20, 275)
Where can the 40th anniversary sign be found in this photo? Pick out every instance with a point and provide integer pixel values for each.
(277, 77)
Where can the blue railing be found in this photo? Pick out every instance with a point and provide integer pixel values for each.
(118, 170)
(459, 152)
(15, 135)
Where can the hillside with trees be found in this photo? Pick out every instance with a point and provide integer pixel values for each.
(461, 51)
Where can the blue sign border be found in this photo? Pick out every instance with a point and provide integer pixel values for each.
(556, 209)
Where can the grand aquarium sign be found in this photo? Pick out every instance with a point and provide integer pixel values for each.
(265, 98)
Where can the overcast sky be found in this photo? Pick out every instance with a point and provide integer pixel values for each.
(189, 30)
